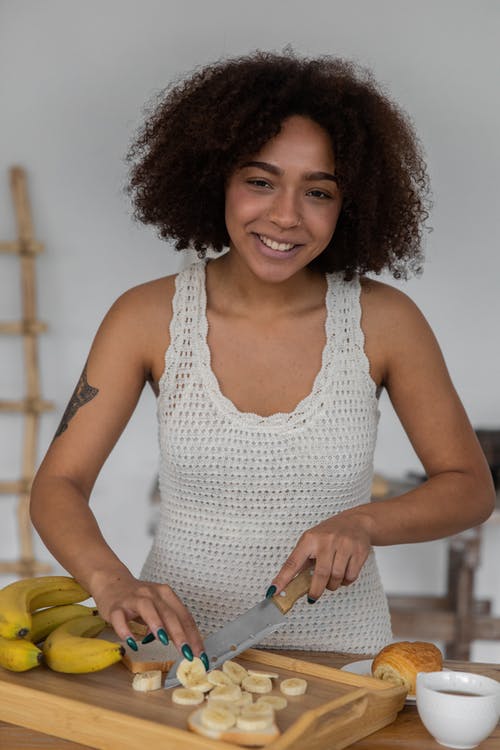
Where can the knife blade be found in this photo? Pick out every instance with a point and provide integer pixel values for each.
(250, 628)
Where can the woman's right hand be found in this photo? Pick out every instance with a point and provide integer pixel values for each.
(122, 598)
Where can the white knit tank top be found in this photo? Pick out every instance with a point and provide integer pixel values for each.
(238, 489)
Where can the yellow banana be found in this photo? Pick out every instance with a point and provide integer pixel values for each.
(19, 655)
(71, 648)
(44, 621)
(58, 597)
(19, 599)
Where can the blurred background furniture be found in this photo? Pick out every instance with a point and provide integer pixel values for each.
(32, 405)
(458, 617)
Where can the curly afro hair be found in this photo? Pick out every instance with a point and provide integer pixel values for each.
(202, 128)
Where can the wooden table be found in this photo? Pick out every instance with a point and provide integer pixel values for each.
(406, 732)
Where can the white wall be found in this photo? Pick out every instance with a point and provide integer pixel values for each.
(73, 80)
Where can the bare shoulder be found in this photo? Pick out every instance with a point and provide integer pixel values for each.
(377, 296)
(394, 327)
(146, 300)
(145, 310)
(386, 308)
(138, 322)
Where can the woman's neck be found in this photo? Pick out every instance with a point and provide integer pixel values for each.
(231, 285)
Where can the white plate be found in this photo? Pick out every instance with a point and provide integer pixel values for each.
(364, 667)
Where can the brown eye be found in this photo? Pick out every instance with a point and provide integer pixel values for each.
(320, 194)
(258, 182)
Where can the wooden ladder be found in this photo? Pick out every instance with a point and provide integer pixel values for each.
(32, 405)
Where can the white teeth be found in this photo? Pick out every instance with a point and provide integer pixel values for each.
(283, 247)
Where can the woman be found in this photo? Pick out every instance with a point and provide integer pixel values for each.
(267, 362)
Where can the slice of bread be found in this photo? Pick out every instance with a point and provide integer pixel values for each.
(257, 738)
(150, 656)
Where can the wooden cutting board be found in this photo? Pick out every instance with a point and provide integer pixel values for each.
(102, 710)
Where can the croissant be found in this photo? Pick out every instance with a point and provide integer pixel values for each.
(400, 662)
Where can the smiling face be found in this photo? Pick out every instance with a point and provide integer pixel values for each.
(282, 205)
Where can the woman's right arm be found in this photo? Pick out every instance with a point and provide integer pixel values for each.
(120, 362)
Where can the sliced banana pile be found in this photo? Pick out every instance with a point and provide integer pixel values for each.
(227, 697)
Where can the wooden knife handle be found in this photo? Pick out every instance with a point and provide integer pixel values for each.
(297, 587)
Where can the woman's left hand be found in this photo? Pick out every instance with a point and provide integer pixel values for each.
(337, 549)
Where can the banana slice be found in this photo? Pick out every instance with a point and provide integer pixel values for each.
(236, 706)
(277, 702)
(225, 693)
(217, 717)
(262, 673)
(254, 717)
(256, 683)
(146, 681)
(187, 696)
(293, 686)
(233, 735)
(217, 677)
(204, 685)
(192, 674)
(234, 671)
(245, 700)
(259, 709)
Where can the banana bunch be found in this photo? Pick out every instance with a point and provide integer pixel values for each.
(21, 654)
(19, 599)
(72, 648)
(33, 610)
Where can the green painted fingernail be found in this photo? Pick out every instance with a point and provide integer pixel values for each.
(186, 650)
(148, 638)
(271, 591)
(162, 636)
(204, 659)
(311, 600)
(132, 644)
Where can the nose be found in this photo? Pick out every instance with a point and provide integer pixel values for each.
(284, 211)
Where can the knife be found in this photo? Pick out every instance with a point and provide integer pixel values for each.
(249, 628)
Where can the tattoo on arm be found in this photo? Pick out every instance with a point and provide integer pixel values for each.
(83, 393)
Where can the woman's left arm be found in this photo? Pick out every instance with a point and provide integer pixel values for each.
(459, 490)
(406, 359)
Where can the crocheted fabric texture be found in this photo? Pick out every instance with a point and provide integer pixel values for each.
(238, 489)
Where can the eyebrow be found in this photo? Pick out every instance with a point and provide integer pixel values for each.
(311, 176)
